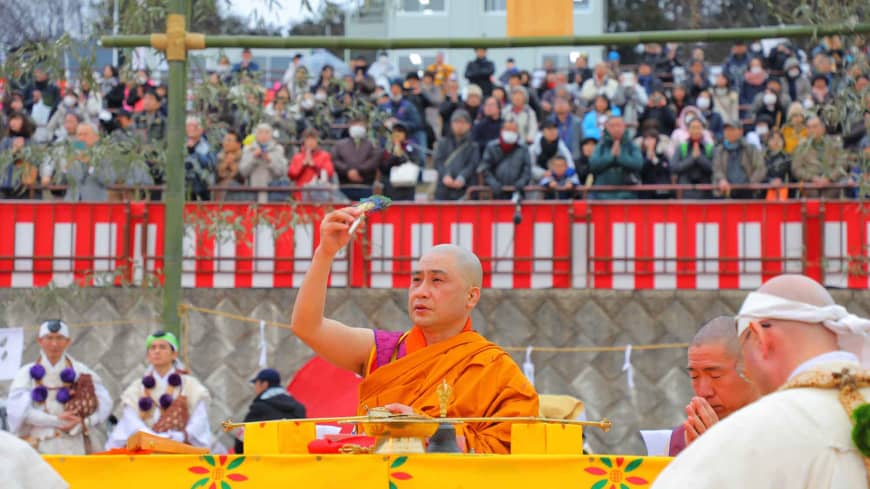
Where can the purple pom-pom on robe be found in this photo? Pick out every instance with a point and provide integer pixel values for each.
(146, 403)
(39, 394)
(68, 375)
(149, 382)
(37, 372)
(165, 401)
(63, 395)
(174, 379)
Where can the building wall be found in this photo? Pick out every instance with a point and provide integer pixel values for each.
(224, 354)
(467, 19)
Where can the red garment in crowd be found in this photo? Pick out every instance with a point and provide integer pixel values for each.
(300, 173)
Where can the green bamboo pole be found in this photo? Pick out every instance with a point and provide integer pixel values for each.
(174, 193)
(616, 38)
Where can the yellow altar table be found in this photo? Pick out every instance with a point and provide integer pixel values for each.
(421, 471)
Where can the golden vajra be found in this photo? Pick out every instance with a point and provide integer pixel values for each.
(444, 392)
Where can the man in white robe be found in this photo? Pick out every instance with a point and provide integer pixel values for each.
(22, 468)
(792, 334)
(43, 422)
(142, 407)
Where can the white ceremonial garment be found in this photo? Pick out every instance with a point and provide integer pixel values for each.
(795, 438)
(40, 421)
(198, 430)
(21, 467)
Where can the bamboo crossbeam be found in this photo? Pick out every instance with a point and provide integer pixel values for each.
(610, 38)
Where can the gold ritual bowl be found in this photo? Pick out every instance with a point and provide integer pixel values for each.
(384, 424)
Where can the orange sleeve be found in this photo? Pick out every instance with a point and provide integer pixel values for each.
(495, 388)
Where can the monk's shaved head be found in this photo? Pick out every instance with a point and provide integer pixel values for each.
(466, 262)
(721, 331)
(798, 288)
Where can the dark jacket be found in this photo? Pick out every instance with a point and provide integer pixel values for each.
(479, 71)
(275, 406)
(363, 156)
(694, 170)
(502, 169)
(458, 164)
(615, 170)
(778, 166)
(486, 130)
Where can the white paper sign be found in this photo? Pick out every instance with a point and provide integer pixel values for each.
(11, 349)
(657, 442)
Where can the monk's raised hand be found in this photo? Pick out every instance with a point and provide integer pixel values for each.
(689, 433)
(705, 412)
(397, 408)
(334, 229)
(700, 417)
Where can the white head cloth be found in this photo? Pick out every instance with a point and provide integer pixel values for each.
(853, 332)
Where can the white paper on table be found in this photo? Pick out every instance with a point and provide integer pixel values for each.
(322, 430)
(11, 350)
(657, 442)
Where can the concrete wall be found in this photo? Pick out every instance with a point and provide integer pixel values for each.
(224, 352)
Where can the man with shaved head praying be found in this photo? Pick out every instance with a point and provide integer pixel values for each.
(807, 356)
(720, 386)
(402, 370)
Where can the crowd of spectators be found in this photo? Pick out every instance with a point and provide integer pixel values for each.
(771, 117)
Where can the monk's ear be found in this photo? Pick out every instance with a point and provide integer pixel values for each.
(473, 296)
(762, 337)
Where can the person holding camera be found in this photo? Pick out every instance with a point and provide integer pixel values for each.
(263, 161)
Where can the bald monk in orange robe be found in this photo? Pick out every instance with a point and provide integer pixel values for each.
(403, 370)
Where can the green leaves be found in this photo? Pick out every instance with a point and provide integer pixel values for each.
(861, 428)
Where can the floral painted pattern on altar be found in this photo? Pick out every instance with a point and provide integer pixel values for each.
(399, 476)
(218, 472)
(615, 475)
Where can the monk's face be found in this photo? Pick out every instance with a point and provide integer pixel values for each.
(715, 377)
(161, 354)
(53, 345)
(440, 296)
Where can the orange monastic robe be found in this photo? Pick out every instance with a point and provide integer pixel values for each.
(485, 381)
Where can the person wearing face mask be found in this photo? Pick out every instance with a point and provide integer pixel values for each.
(715, 125)
(519, 111)
(725, 100)
(356, 160)
(69, 105)
(794, 82)
(754, 82)
(771, 103)
(761, 131)
(737, 162)
(138, 87)
(399, 152)
(506, 162)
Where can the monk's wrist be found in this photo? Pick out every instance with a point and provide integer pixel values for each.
(322, 254)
